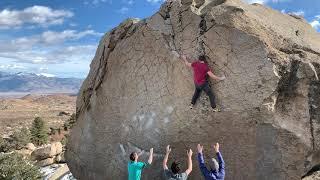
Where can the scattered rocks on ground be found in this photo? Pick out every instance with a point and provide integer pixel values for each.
(45, 162)
(31, 147)
(47, 151)
(314, 176)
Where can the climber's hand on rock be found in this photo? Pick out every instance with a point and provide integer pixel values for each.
(222, 78)
(151, 150)
(168, 149)
(175, 53)
(200, 148)
(189, 153)
(216, 147)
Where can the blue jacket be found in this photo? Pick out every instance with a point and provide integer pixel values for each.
(212, 174)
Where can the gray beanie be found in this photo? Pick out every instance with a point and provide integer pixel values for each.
(214, 165)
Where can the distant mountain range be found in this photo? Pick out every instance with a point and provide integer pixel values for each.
(37, 83)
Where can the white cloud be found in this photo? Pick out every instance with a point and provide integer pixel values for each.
(297, 13)
(54, 56)
(52, 37)
(48, 47)
(129, 2)
(73, 24)
(123, 10)
(44, 40)
(264, 1)
(35, 15)
(256, 1)
(315, 23)
(46, 75)
(96, 2)
(11, 67)
(43, 68)
(155, 1)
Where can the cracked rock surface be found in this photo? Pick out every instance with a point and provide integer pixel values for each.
(137, 93)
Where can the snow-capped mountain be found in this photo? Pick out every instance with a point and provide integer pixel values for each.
(38, 83)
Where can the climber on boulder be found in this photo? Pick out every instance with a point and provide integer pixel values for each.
(135, 167)
(201, 71)
(216, 171)
(174, 173)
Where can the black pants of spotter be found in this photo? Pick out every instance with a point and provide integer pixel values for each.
(206, 88)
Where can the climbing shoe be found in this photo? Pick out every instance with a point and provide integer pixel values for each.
(216, 109)
(191, 106)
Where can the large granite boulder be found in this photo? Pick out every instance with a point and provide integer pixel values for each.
(137, 93)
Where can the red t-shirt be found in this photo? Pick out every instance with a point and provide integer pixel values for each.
(200, 71)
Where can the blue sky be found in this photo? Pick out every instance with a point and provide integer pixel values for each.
(59, 37)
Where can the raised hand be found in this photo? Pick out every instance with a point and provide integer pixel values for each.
(222, 78)
(216, 147)
(189, 153)
(150, 156)
(200, 148)
(168, 149)
(140, 153)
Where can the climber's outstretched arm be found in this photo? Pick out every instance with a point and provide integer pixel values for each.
(203, 168)
(150, 156)
(165, 160)
(184, 58)
(189, 153)
(220, 159)
(213, 76)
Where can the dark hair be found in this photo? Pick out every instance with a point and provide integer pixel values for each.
(175, 167)
(132, 157)
(203, 58)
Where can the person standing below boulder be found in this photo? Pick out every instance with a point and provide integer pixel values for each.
(135, 167)
(174, 173)
(200, 73)
(216, 171)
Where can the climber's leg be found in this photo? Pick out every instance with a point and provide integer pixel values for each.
(208, 91)
(196, 94)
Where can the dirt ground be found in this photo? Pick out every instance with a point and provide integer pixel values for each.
(16, 113)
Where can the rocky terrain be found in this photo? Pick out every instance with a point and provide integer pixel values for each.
(50, 158)
(20, 112)
(315, 176)
(137, 93)
(56, 111)
(36, 83)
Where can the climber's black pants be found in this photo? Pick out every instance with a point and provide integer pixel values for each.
(206, 88)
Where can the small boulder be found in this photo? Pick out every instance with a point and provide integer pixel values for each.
(60, 158)
(30, 146)
(45, 162)
(314, 176)
(48, 151)
(24, 152)
(63, 113)
(57, 159)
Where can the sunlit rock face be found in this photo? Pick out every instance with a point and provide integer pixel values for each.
(137, 93)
